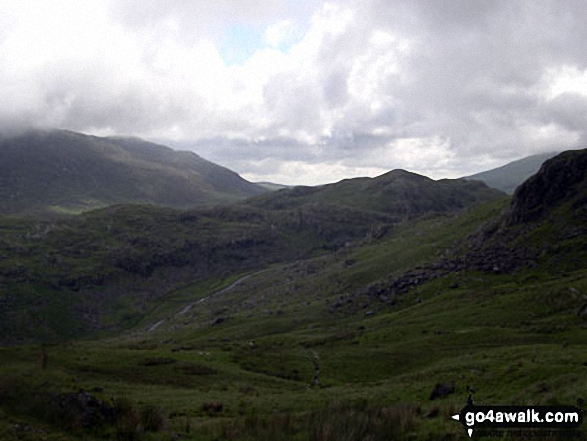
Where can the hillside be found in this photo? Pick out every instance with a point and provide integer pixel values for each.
(507, 177)
(312, 322)
(65, 171)
(398, 192)
(106, 268)
(102, 259)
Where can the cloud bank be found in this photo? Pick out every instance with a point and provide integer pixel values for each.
(305, 92)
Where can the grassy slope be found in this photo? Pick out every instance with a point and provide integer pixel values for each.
(110, 266)
(64, 171)
(515, 338)
(398, 192)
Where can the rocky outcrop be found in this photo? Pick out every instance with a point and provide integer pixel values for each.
(81, 409)
(559, 179)
(500, 246)
(442, 390)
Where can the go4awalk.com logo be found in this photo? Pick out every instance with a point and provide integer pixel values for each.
(518, 417)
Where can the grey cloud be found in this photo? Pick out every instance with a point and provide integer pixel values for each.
(474, 75)
(335, 90)
(487, 60)
(568, 110)
(226, 150)
(293, 103)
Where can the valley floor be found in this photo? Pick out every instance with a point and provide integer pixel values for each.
(313, 350)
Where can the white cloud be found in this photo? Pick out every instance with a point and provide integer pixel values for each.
(282, 35)
(566, 79)
(303, 173)
(334, 88)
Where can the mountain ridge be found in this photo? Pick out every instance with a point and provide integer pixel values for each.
(397, 192)
(45, 170)
(210, 315)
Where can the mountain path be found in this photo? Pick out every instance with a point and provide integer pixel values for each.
(189, 306)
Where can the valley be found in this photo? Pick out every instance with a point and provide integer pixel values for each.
(302, 314)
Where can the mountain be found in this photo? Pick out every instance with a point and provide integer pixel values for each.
(57, 170)
(295, 321)
(398, 192)
(544, 226)
(507, 177)
(107, 256)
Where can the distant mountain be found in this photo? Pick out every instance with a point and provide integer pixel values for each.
(398, 192)
(507, 177)
(57, 170)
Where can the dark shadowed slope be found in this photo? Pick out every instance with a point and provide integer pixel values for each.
(561, 180)
(62, 170)
(507, 177)
(397, 192)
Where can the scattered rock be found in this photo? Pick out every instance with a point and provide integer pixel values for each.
(82, 409)
(442, 390)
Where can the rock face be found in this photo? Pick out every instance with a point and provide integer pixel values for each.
(82, 410)
(559, 179)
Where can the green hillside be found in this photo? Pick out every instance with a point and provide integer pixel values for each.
(398, 192)
(110, 266)
(64, 171)
(308, 322)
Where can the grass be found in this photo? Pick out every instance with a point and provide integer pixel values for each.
(515, 338)
(508, 360)
(305, 347)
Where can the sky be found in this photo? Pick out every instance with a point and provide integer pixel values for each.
(305, 91)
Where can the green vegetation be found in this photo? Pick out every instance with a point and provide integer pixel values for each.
(310, 321)
(400, 193)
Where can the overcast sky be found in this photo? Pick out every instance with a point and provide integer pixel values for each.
(305, 91)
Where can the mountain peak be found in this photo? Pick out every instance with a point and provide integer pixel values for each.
(398, 192)
(401, 173)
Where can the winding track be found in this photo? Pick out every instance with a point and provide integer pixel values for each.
(202, 300)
